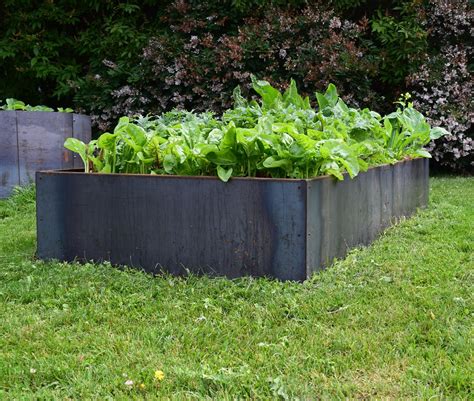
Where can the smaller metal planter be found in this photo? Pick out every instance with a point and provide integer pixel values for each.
(280, 228)
(34, 140)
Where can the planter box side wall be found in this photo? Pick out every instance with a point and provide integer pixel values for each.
(350, 213)
(238, 228)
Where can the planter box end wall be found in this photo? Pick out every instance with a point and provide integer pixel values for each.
(34, 140)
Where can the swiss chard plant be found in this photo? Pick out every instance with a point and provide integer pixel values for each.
(280, 135)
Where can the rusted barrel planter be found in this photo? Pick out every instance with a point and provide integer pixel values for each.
(280, 228)
(33, 140)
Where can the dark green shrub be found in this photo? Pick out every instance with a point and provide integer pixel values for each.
(118, 58)
(200, 62)
(400, 41)
(49, 49)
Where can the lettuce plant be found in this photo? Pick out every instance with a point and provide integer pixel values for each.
(280, 135)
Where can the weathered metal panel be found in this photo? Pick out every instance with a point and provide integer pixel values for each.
(81, 129)
(41, 137)
(350, 213)
(9, 176)
(346, 216)
(387, 191)
(31, 141)
(261, 227)
(243, 227)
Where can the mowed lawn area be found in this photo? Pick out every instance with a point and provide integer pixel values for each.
(394, 320)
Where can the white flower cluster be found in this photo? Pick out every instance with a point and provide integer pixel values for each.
(443, 85)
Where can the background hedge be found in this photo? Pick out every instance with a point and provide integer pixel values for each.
(112, 58)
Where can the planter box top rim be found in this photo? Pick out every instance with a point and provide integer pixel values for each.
(208, 177)
(43, 112)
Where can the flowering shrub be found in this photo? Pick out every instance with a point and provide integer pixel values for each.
(443, 85)
(198, 68)
(116, 58)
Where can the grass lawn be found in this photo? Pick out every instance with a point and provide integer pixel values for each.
(394, 320)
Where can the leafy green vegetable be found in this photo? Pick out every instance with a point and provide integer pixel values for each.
(14, 104)
(280, 136)
(65, 110)
(84, 151)
(224, 174)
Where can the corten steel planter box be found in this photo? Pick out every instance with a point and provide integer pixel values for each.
(281, 228)
(34, 140)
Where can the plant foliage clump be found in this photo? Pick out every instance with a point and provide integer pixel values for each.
(14, 104)
(280, 135)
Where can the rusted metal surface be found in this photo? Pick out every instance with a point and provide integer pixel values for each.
(285, 229)
(32, 141)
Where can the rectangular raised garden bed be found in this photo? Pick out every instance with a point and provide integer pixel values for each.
(34, 140)
(280, 228)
